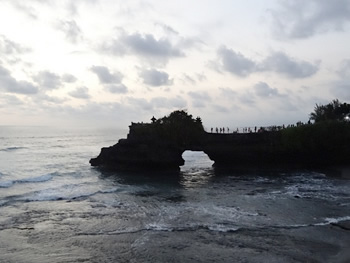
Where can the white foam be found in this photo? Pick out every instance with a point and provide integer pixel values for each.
(337, 220)
(223, 228)
(37, 179)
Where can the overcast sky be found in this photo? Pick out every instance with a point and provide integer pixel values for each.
(110, 62)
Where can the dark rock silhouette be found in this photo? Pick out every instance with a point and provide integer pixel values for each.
(159, 145)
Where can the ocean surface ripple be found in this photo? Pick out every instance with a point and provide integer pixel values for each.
(56, 208)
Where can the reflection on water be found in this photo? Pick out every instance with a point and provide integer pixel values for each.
(197, 170)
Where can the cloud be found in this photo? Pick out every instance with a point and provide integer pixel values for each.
(247, 99)
(341, 87)
(117, 88)
(169, 103)
(262, 89)
(140, 103)
(155, 78)
(51, 99)
(71, 30)
(80, 93)
(105, 76)
(188, 79)
(235, 62)
(279, 62)
(12, 100)
(48, 80)
(158, 103)
(145, 46)
(10, 84)
(69, 78)
(167, 29)
(199, 98)
(344, 69)
(342, 90)
(299, 19)
(220, 108)
(9, 47)
(228, 93)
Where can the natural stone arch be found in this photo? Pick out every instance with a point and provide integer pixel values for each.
(196, 158)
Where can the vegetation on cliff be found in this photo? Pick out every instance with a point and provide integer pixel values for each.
(327, 139)
(333, 111)
(180, 128)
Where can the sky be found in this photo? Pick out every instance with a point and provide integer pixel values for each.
(107, 63)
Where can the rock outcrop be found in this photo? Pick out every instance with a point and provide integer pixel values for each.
(159, 145)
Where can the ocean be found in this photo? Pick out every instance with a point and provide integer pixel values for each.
(55, 207)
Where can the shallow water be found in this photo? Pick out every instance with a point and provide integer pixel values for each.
(54, 207)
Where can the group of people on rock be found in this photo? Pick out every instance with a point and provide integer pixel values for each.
(255, 129)
(220, 130)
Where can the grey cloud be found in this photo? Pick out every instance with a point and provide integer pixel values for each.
(169, 103)
(220, 108)
(155, 78)
(26, 7)
(341, 89)
(117, 88)
(10, 84)
(105, 76)
(187, 78)
(71, 29)
(279, 62)
(48, 80)
(203, 95)
(262, 89)
(51, 99)
(12, 100)
(80, 93)
(158, 103)
(149, 46)
(69, 78)
(228, 93)
(247, 98)
(344, 69)
(201, 77)
(146, 46)
(235, 62)
(9, 47)
(140, 103)
(167, 29)
(199, 99)
(302, 19)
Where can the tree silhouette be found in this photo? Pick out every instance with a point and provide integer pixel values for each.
(335, 110)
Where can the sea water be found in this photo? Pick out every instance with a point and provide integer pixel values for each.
(55, 207)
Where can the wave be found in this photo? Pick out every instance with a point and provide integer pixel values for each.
(37, 179)
(10, 149)
(6, 184)
(58, 194)
(165, 228)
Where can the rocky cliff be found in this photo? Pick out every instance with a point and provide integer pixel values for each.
(159, 145)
